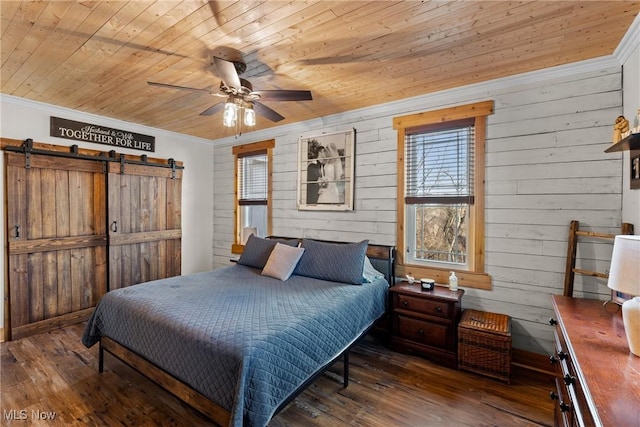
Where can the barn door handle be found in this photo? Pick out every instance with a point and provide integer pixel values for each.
(114, 226)
(17, 231)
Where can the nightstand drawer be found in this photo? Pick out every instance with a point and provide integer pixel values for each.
(421, 331)
(424, 306)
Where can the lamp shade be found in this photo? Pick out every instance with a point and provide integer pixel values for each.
(248, 231)
(624, 273)
(230, 114)
(249, 116)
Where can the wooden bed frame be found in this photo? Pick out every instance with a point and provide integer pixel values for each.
(382, 257)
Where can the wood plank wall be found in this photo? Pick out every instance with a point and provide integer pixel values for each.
(545, 166)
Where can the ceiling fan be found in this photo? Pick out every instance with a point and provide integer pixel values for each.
(240, 96)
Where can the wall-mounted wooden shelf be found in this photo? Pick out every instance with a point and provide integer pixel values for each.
(630, 142)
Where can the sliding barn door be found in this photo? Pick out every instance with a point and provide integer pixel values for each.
(144, 223)
(57, 254)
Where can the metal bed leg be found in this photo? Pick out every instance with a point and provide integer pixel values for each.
(345, 381)
(100, 358)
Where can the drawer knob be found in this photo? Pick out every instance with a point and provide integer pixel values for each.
(564, 407)
(420, 332)
(562, 355)
(553, 395)
(553, 321)
(405, 303)
(553, 359)
(439, 309)
(569, 380)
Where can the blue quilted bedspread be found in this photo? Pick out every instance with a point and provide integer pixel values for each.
(244, 340)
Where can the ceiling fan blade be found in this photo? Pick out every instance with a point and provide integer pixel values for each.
(267, 112)
(213, 109)
(178, 87)
(284, 95)
(228, 72)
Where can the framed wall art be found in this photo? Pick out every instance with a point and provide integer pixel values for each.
(326, 171)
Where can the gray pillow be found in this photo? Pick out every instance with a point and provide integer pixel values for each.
(336, 262)
(257, 250)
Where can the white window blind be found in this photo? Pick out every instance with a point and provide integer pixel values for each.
(252, 179)
(440, 164)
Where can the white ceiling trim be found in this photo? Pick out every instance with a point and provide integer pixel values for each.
(629, 42)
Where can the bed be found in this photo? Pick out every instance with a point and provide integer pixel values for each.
(239, 344)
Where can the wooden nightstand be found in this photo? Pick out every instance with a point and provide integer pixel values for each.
(426, 322)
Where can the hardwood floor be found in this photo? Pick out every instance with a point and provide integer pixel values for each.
(51, 379)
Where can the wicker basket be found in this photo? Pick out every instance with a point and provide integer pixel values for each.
(484, 344)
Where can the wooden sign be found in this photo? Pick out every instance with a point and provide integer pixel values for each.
(79, 131)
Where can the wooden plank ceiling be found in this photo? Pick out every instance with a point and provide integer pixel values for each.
(97, 56)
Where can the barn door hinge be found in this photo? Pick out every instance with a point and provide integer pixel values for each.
(122, 163)
(172, 162)
(111, 156)
(27, 148)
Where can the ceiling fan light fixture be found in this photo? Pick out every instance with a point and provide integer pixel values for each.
(230, 114)
(249, 115)
(242, 103)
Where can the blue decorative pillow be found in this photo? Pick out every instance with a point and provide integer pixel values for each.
(336, 262)
(256, 250)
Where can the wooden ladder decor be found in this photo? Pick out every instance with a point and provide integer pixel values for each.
(571, 270)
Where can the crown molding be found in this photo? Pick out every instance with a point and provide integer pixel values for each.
(629, 43)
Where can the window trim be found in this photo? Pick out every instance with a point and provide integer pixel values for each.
(243, 151)
(475, 277)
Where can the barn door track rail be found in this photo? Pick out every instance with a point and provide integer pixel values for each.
(28, 148)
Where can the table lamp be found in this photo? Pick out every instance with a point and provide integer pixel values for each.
(248, 231)
(624, 276)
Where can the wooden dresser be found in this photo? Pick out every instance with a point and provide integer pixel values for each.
(598, 378)
(426, 322)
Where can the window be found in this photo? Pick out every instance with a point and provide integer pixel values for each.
(253, 191)
(441, 193)
(438, 193)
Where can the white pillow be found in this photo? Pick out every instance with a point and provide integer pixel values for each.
(282, 261)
